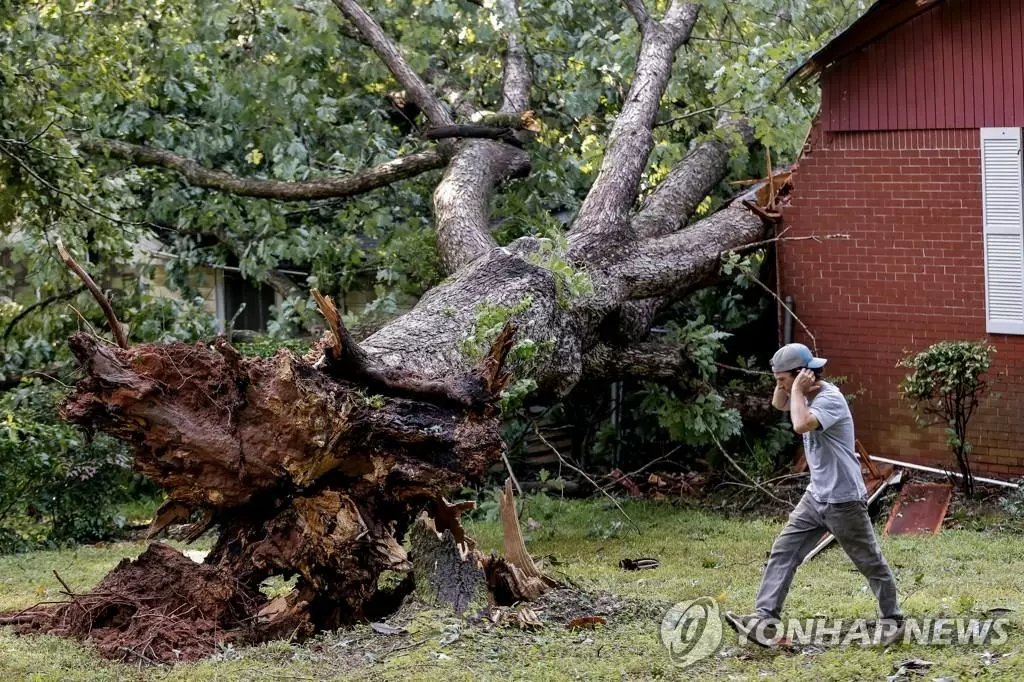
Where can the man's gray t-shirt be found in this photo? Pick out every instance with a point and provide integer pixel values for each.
(830, 451)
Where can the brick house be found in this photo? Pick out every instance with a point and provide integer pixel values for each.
(916, 155)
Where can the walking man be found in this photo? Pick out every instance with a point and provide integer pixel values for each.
(835, 500)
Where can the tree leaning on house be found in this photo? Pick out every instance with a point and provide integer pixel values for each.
(317, 466)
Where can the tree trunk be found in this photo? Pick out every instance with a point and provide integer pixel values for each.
(317, 467)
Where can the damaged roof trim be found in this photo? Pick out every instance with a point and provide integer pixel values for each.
(880, 19)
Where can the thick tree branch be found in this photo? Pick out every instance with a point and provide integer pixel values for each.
(640, 13)
(668, 208)
(652, 360)
(603, 224)
(115, 325)
(475, 131)
(516, 77)
(462, 200)
(418, 92)
(632, 320)
(198, 176)
(668, 265)
(675, 199)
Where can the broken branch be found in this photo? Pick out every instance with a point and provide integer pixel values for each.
(742, 471)
(345, 358)
(587, 477)
(785, 307)
(115, 326)
(780, 238)
(417, 90)
(477, 131)
(196, 175)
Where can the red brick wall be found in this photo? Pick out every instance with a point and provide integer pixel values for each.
(910, 274)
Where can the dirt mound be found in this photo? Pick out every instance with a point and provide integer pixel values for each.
(161, 607)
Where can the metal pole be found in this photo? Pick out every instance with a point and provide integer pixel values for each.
(787, 322)
(919, 467)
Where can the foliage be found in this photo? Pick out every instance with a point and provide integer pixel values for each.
(701, 419)
(945, 387)
(267, 347)
(274, 90)
(1013, 505)
(57, 486)
(717, 327)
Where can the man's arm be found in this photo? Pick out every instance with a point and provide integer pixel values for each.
(803, 420)
(780, 400)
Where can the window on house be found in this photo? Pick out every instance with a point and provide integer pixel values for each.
(257, 300)
(1003, 220)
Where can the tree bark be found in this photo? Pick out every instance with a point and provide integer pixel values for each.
(603, 223)
(198, 176)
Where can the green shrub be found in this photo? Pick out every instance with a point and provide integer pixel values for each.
(1013, 503)
(266, 347)
(945, 388)
(57, 486)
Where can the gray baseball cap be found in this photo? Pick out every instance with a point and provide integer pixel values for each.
(795, 356)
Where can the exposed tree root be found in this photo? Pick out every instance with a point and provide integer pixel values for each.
(306, 472)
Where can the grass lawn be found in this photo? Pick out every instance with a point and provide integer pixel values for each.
(962, 571)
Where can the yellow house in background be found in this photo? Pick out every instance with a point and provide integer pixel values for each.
(223, 289)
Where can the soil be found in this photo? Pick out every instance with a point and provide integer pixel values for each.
(161, 607)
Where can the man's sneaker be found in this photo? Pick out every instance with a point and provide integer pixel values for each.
(892, 631)
(758, 629)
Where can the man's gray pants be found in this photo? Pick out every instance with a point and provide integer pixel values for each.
(850, 524)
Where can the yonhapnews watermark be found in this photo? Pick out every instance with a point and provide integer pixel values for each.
(692, 631)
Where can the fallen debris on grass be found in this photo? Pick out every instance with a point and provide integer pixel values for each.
(586, 622)
(639, 564)
(160, 607)
(920, 508)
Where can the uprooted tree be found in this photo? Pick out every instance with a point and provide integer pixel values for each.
(318, 466)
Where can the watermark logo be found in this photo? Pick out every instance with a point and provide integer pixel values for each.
(863, 632)
(692, 631)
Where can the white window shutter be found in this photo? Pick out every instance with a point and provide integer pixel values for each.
(1003, 209)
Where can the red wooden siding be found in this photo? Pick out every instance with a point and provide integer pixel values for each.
(959, 65)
